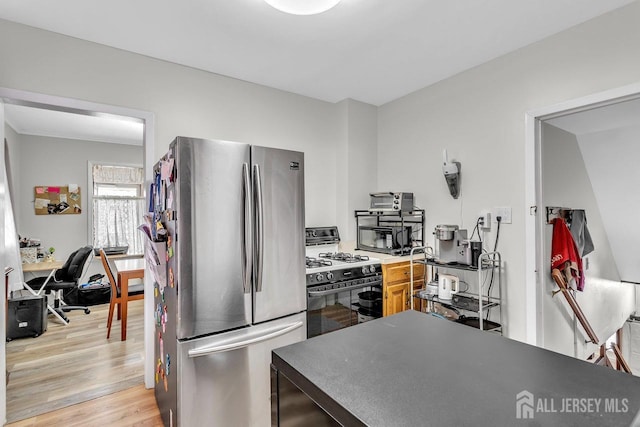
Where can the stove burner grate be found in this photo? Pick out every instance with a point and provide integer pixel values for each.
(344, 257)
(314, 262)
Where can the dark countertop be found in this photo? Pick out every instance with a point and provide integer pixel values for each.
(412, 369)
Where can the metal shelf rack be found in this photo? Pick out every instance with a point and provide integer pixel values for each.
(478, 303)
(402, 219)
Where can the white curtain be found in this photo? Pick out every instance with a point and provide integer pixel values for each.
(108, 174)
(115, 223)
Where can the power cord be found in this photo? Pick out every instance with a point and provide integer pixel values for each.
(495, 249)
(476, 229)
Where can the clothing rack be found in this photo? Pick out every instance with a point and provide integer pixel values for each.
(558, 277)
(602, 359)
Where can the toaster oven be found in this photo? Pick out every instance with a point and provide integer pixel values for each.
(391, 202)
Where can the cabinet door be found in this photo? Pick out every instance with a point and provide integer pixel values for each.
(396, 298)
(401, 272)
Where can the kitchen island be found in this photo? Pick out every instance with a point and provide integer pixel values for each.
(412, 369)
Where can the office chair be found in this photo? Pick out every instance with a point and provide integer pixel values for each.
(67, 277)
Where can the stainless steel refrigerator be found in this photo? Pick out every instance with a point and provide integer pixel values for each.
(231, 219)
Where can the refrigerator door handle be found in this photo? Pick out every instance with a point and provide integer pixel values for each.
(257, 186)
(252, 339)
(247, 249)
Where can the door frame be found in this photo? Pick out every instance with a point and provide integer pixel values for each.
(535, 265)
(49, 102)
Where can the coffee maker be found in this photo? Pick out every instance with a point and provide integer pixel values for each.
(451, 244)
(455, 247)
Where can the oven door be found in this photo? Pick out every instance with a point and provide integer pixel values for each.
(382, 202)
(332, 309)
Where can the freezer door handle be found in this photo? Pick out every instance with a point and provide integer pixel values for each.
(257, 186)
(251, 339)
(247, 249)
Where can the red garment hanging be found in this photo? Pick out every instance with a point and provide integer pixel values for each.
(564, 253)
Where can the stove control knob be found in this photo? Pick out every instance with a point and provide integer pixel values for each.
(319, 277)
(372, 268)
(365, 270)
(329, 275)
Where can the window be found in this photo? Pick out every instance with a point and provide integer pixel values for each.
(117, 206)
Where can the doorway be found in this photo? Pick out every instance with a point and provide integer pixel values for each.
(53, 103)
(538, 123)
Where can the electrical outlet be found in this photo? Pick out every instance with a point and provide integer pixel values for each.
(485, 220)
(504, 213)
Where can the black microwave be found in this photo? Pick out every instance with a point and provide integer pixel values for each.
(391, 202)
(391, 240)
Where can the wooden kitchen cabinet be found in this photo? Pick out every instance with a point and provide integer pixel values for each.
(396, 285)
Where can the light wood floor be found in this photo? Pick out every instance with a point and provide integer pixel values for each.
(135, 406)
(76, 363)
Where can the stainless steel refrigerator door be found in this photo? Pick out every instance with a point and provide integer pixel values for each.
(224, 379)
(213, 198)
(279, 233)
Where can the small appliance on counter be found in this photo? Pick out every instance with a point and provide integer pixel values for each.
(448, 285)
(385, 239)
(451, 244)
(454, 247)
(391, 202)
(393, 225)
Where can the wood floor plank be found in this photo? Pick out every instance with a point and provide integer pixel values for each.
(134, 406)
(71, 364)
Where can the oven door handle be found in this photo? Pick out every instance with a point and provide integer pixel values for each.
(338, 290)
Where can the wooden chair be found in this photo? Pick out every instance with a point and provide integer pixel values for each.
(136, 292)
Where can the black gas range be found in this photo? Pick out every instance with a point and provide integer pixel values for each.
(343, 289)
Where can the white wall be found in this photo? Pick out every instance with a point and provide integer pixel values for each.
(185, 101)
(479, 116)
(57, 162)
(605, 301)
(357, 163)
(13, 163)
(566, 183)
(611, 158)
(11, 210)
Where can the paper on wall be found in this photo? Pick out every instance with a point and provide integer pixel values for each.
(73, 188)
(165, 169)
(41, 203)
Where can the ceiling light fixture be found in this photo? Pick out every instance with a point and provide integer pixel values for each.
(303, 7)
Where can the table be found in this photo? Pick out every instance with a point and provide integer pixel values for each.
(413, 369)
(52, 267)
(132, 268)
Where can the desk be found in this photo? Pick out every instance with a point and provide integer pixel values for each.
(51, 267)
(42, 266)
(132, 268)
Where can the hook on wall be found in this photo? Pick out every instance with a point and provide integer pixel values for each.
(559, 212)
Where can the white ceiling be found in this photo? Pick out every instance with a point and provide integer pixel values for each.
(373, 51)
(615, 116)
(58, 124)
